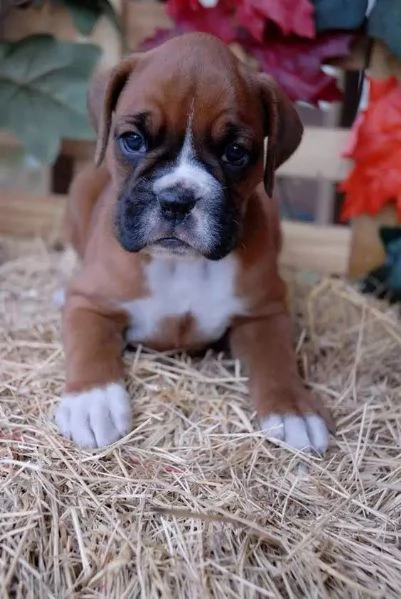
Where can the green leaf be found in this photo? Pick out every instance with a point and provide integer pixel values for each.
(394, 280)
(385, 281)
(388, 234)
(385, 24)
(376, 281)
(339, 14)
(43, 88)
(85, 13)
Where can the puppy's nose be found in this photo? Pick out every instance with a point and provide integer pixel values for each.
(176, 204)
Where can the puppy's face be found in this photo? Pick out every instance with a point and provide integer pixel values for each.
(184, 127)
(184, 168)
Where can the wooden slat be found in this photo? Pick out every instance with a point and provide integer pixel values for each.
(25, 215)
(319, 155)
(321, 249)
(79, 150)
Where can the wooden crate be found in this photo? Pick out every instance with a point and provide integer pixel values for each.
(330, 249)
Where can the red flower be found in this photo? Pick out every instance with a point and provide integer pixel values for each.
(375, 179)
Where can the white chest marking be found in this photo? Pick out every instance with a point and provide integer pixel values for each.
(201, 287)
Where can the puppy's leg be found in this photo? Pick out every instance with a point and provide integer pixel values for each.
(287, 411)
(95, 409)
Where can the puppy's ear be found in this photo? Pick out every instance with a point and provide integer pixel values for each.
(103, 94)
(283, 127)
(95, 98)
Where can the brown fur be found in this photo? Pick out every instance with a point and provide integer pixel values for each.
(93, 328)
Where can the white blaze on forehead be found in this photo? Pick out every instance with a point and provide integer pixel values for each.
(188, 172)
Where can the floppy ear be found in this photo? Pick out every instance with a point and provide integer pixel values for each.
(95, 98)
(283, 127)
(103, 94)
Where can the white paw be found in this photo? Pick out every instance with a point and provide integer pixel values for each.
(306, 433)
(95, 418)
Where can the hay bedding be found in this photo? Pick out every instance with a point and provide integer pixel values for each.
(195, 504)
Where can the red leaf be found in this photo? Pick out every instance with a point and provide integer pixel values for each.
(291, 17)
(295, 64)
(293, 61)
(159, 37)
(375, 179)
(192, 16)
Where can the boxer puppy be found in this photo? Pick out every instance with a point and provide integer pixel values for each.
(178, 241)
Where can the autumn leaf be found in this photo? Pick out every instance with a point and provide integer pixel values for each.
(376, 150)
(159, 37)
(292, 17)
(294, 61)
(295, 64)
(190, 15)
(224, 18)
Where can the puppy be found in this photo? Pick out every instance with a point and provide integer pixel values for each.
(177, 238)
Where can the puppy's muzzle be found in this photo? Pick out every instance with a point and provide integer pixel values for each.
(176, 203)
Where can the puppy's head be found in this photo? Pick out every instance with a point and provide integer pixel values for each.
(182, 128)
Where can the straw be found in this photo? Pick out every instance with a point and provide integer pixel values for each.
(194, 503)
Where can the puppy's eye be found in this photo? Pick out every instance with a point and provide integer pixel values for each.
(132, 143)
(235, 155)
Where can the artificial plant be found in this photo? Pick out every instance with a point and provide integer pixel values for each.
(43, 81)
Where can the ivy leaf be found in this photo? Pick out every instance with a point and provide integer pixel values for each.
(291, 17)
(85, 13)
(43, 86)
(385, 24)
(339, 14)
(295, 64)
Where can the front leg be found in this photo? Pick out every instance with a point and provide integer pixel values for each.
(95, 409)
(287, 411)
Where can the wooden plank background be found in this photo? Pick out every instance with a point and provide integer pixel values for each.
(306, 246)
(319, 157)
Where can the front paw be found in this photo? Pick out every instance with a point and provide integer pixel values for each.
(95, 418)
(302, 432)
